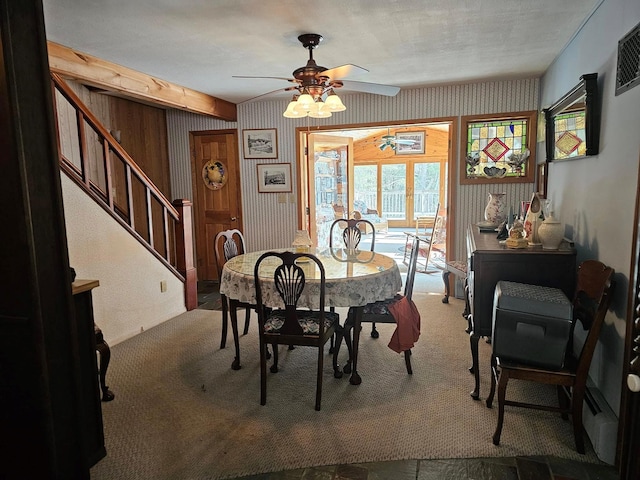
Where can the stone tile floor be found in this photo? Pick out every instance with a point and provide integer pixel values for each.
(505, 468)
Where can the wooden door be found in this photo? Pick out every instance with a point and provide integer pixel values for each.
(215, 171)
(330, 182)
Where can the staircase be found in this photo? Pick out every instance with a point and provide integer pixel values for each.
(92, 158)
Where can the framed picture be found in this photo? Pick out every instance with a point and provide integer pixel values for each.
(541, 180)
(274, 177)
(409, 143)
(260, 143)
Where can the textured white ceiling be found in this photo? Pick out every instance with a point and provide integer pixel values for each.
(201, 44)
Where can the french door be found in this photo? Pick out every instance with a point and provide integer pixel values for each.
(400, 191)
(329, 192)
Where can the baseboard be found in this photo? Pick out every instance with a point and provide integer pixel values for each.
(601, 424)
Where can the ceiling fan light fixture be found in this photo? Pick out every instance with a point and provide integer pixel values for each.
(334, 103)
(319, 110)
(305, 102)
(292, 111)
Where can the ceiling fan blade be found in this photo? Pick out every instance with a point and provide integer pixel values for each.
(268, 93)
(343, 71)
(375, 88)
(292, 80)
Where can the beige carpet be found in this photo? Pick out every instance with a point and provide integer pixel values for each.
(180, 412)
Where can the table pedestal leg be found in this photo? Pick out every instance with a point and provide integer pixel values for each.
(233, 314)
(473, 340)
(355, 378)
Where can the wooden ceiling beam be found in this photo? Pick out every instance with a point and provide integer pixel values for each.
(99, 73)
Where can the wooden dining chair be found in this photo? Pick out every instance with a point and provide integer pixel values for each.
(591, 301)
(352, 229)
(292, 325)
(381, 312)
(229, 244)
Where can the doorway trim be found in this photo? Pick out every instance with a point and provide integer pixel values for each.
(452, 170)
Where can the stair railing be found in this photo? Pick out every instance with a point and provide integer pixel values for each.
(95, 161)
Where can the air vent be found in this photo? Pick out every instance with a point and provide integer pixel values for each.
(628, 74)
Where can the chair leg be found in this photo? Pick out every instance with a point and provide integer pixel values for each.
(225, 321)
(337, 372)
(263, 373)
(331, 340)
(577, 400)
(319, 377)
(502, 391)
(407, 361)
(246, 321)
(348, 326)
(494, 380)
(374, 332)
(274, 366)
(445, 279)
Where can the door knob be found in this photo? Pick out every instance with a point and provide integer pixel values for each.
(633, 382)
(233, 219)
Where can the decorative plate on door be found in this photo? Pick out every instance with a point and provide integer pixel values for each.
(214, 175)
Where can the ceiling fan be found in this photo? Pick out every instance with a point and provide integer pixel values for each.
(316, 81)
(390, 141)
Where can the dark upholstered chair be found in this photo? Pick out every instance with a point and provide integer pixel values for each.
(292, 325)
(590, 304)
(352, 229)
(380, 311)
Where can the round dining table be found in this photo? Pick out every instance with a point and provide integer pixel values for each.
(353, 278)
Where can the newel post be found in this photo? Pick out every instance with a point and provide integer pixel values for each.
(184, 252)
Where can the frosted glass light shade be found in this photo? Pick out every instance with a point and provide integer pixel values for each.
(334, 104)
(318, 110)
(305, 102)
(293, 112)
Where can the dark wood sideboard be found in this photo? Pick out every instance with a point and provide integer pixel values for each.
(93, 433)
(488, 261)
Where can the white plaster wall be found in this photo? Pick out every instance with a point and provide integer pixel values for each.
(128, 299)
(596, 196)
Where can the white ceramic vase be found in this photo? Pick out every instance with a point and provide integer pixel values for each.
(495, 211)
(551, 233)
(533, 220)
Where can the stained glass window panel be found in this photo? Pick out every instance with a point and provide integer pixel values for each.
(495, 146)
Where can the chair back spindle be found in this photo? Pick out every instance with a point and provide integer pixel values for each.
(352, 233)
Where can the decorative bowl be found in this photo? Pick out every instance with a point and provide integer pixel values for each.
(495, 172)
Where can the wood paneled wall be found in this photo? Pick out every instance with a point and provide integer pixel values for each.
(143, 131)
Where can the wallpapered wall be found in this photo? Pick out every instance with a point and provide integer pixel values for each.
(269, 224)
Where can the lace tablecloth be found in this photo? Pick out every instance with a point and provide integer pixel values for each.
(353, 279)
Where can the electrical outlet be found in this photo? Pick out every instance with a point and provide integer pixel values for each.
(163, 286)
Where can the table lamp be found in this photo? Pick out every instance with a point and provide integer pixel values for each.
(302, 241)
